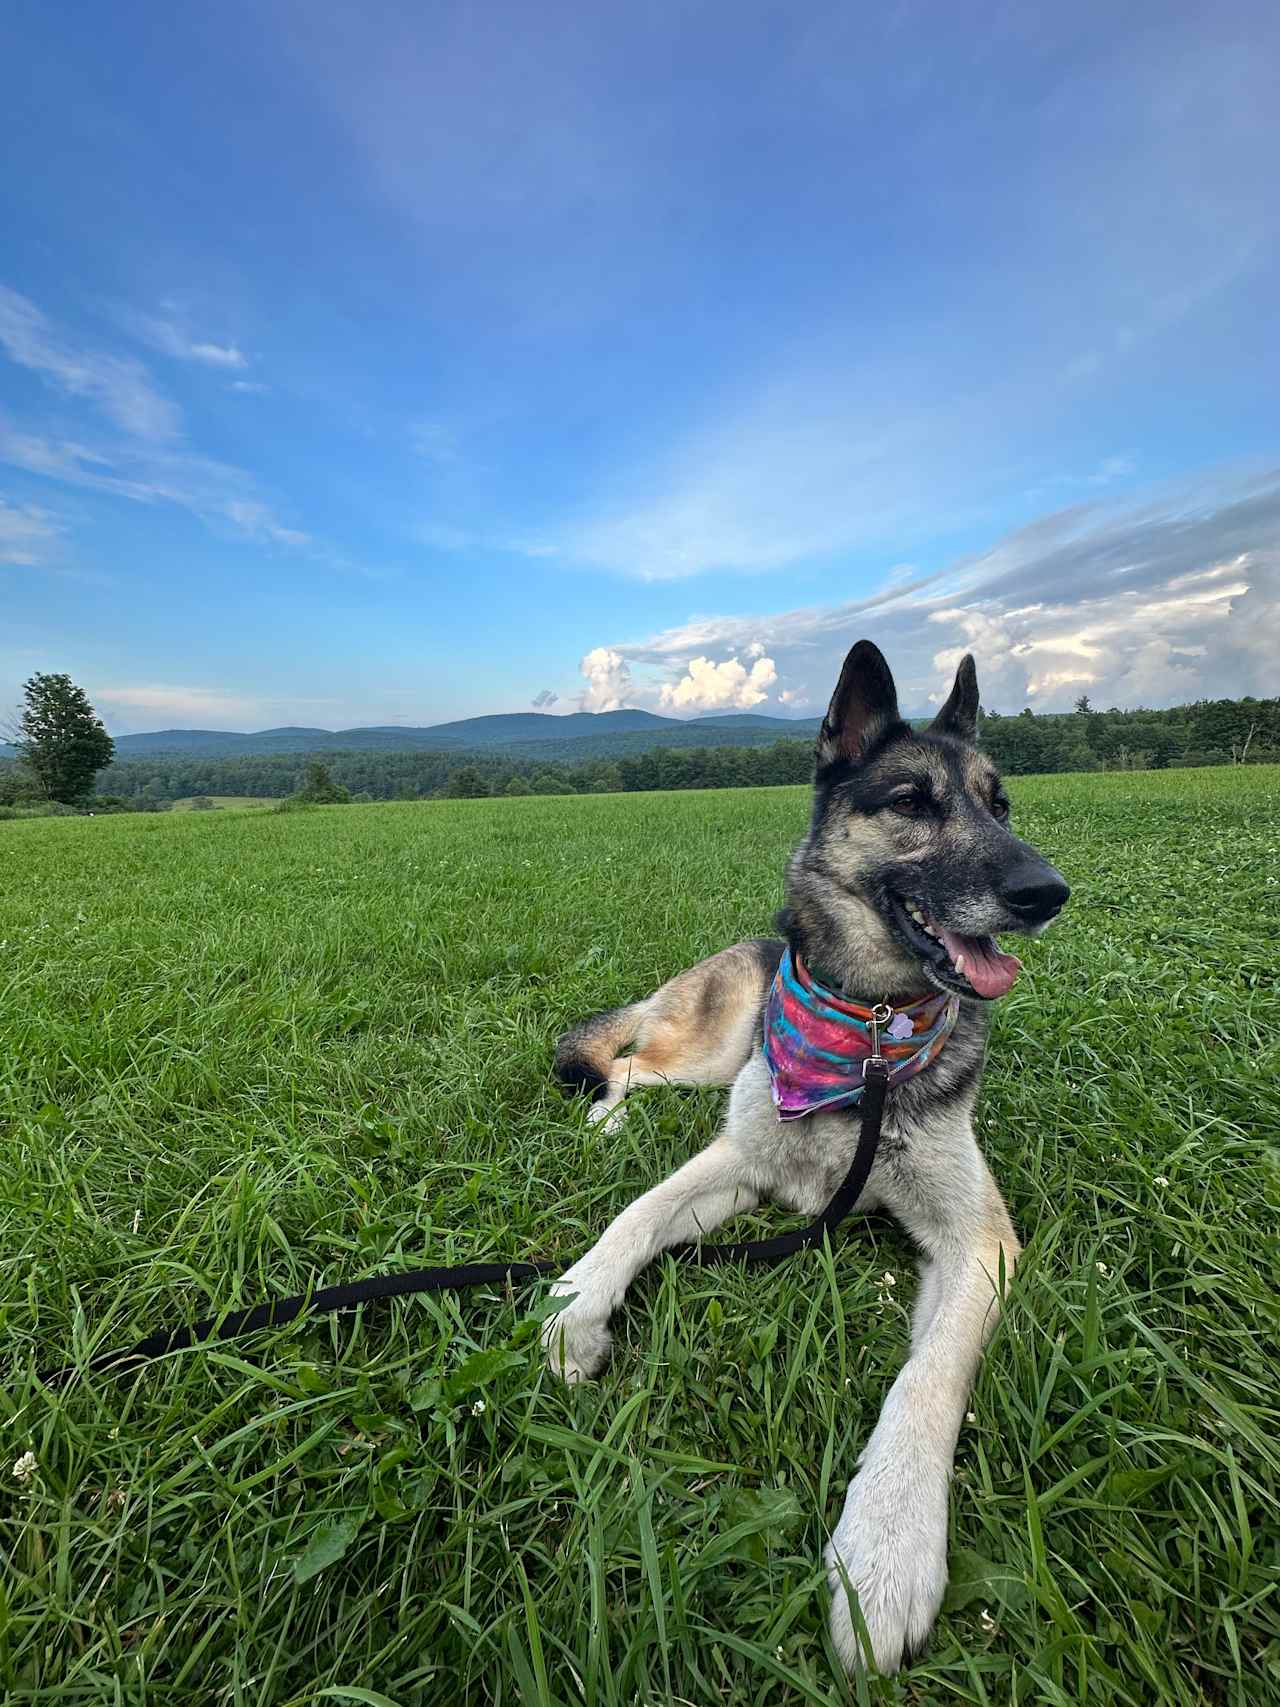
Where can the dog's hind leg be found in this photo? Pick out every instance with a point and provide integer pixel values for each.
(714, 1185)
(698, 1029)
(890, 1545)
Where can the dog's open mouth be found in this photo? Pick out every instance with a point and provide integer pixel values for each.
(971, 964)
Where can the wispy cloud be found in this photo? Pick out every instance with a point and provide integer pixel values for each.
(255, 520)
(195, 706)
(444, 536)
(120, 387)
(1174, 598)
(171, 336)
(27, 534)
(146, 462)
(215, 491)
(253, 386)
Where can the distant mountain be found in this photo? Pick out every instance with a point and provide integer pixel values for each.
(751, 720)
(504, 731)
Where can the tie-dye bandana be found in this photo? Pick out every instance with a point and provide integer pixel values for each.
(816, 1043)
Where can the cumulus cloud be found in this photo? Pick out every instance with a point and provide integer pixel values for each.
(1170, 599)
(545, 700)
(121, 388)
(26, 533)
(608, 678)
(720, 687)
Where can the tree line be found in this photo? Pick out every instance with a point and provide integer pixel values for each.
(1209, 732)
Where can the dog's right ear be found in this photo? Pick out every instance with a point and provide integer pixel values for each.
(863, 707)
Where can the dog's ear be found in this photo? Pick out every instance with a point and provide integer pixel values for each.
(959, 716)
(863, 707)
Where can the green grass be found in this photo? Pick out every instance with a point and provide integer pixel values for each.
(244, 1053)
(250, 802)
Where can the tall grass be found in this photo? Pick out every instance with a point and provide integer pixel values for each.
(243, 1053)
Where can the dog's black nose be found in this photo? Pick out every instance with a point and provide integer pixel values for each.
(1034, 891)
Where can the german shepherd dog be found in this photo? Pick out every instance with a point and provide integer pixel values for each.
(908, 870)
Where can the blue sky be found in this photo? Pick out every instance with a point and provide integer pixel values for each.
(395, 363)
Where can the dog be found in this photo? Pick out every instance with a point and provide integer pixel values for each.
(908, 871)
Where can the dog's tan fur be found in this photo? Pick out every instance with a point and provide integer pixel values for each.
(697, 1029)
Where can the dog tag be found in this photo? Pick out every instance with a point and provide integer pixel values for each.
(899, 1028)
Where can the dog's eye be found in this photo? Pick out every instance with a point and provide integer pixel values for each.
(1000, 808)
(910, 805)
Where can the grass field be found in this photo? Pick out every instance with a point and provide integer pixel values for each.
(248, 802)
(241, 1053)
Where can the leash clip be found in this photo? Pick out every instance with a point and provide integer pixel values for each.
(881, 1015)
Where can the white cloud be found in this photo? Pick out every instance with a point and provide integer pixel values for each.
(148, 474)
(171, 338)
(255, 520)
(1174, 598)
(608, 677)
(26, 533)
(720, 687)
(121, 388)
(197, 704)
(545, 700)
(444, 536)
(254, 386)
(161, 704)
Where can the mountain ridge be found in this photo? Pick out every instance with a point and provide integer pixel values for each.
(468, 734)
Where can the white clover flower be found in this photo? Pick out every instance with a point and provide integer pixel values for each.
(970, 1416)
(1160, 1180)
(24, 1470)
(888, 1278)
(477, 1410)
(987, 1622)
(1102, 1269)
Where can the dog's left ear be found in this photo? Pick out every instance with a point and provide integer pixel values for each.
(959, 716)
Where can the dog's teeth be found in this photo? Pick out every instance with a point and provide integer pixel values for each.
(959, 962)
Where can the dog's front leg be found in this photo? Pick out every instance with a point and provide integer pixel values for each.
(706, 1191)
(890, 1545)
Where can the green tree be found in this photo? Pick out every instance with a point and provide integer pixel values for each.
(18, 787)
(517, 785)
(202, 803)
(545, 783)
(319, 788)
(60, 739)
(466, 783)
(603, 778)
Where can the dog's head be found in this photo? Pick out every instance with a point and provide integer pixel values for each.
(914, 826)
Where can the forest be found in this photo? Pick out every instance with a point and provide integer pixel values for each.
(1210, 732)
(1207, 733)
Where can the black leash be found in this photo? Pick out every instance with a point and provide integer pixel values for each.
(462, 1278)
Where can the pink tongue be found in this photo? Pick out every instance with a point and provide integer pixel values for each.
(988, 969)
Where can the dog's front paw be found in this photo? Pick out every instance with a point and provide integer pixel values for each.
(891, 1545)
(610, 1115)
(576, 1339)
